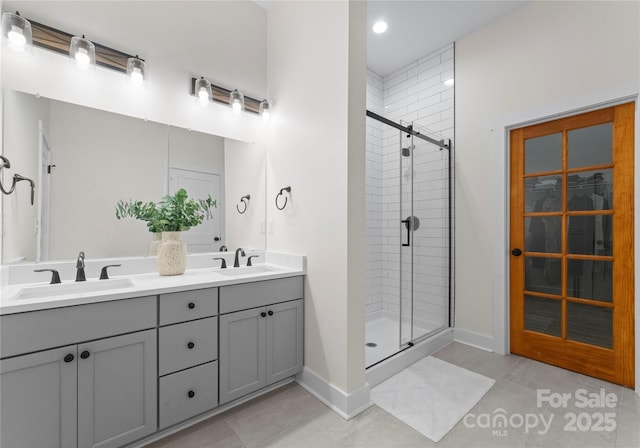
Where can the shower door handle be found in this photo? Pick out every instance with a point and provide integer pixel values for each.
(407, 224)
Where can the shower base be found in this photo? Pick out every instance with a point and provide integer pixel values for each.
(381, 328)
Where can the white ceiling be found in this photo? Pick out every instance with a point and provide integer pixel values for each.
(419, 27)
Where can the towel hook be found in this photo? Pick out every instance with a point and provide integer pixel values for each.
(245, 200)
(4, 163)
(288, 190)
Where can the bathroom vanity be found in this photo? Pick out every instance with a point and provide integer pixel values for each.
(116, 367)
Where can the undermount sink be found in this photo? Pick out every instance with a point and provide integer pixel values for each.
(246, 270)
(61, 289)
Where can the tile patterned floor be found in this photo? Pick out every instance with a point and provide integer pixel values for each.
(291, 417)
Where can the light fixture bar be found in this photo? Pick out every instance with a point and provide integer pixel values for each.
(221, 95)
(55, 40)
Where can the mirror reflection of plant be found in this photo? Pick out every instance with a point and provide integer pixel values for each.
(173, 213)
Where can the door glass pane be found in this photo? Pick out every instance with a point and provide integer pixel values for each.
(589, 279)
(543, 275)
(543, 194)
(542, 315)
(543, 153)
(590, 235)
(590, 146)
(543, 234)
(590, 324)
(590, 190)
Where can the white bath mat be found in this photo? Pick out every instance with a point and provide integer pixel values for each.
(431, 395)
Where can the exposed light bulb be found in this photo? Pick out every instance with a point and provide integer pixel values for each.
(16, 39)
(82, 59)
(203, 95)
(380, 27)
(264, 110)
(136, 76)
(236, 106)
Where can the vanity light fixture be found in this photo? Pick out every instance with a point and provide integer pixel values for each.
(224, 96)
(52, 39)
(203, 91)
(83, 52)
(16, 32)
(236, 99)
(265, 107)
(136, 69)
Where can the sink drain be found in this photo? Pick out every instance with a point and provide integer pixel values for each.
(371, 344)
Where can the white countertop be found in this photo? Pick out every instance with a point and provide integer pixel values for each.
(18, 298)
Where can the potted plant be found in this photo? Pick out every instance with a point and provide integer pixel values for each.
(170, 216)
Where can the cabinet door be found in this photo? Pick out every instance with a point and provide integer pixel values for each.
(284, 340)
(117, 389)
(39, 394)
(242, 353)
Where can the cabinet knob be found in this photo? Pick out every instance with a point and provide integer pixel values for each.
(263, 314)
(191, 305)
(270, 313)
(190, 345)
(85, 354)
(69, 358)
(191, 394)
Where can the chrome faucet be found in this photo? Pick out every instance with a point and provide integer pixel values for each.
(236, 261)
(80, 277)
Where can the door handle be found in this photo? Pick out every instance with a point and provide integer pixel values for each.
(516, 252)
(407, 224)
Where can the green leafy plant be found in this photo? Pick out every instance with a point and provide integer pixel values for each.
(172, 213)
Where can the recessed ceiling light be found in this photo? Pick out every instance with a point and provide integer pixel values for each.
(448, 82)
(380, 26)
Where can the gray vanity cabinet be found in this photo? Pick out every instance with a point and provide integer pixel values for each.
(262, 345)
(117, 390)
(188, 355)
(87, 394)
(97, 394)
(39, 393)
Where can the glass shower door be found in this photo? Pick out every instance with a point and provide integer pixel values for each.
(424, 227)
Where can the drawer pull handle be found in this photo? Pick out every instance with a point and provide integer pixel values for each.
(191, 394)
(190, 345)
(270, 313)
(191, 305)
(85, 354)
(263, 314)
(69, 358)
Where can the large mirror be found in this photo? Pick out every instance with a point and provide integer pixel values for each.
(84, 160)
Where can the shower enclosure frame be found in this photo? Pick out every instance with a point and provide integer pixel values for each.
(443, 144)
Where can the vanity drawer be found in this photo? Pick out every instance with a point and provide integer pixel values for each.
(55, 327)
(188, 305)
(176, 404)
(255, 294)
(174, 342)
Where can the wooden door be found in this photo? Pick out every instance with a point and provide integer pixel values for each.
(39, 399)
(571, 237)
(117, 389)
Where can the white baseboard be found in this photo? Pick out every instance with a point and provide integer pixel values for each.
(345, 405)
(476, 340)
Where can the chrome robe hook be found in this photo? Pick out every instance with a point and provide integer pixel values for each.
(288, 190)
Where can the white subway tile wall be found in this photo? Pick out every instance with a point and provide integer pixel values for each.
(414, 94)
